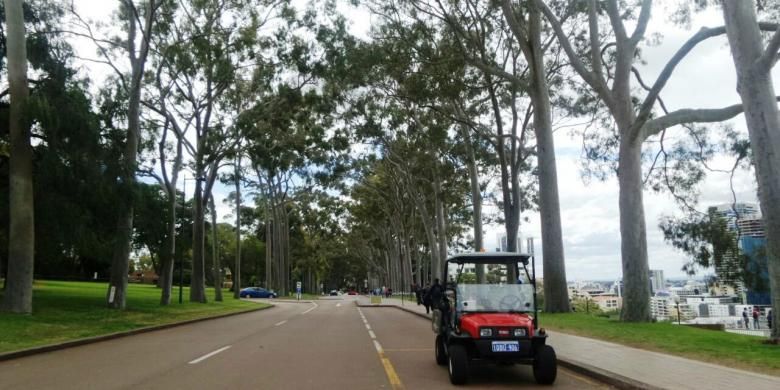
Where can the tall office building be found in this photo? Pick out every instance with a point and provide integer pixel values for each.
(657, 281)
(744, 219)
(505, 245)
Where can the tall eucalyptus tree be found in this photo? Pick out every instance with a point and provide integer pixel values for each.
(200, 52)
(610, 81)
(21, 237)
(754, 62)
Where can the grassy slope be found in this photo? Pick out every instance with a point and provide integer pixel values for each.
(72, 310)
(746, 352)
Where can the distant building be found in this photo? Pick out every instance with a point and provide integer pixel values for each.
(757, 266)
(608, 302)
(504, 244)
(657, 281)
(742, 219)
(659, 307)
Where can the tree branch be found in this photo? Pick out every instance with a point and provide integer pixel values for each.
(666, 73)
(679, 117)
(589, 77)
(641, 25)
(769, 58)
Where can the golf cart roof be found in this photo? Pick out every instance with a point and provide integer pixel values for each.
(489, 258)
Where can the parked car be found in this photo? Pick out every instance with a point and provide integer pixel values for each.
(352, 292)
(256, 292)
(334, 293)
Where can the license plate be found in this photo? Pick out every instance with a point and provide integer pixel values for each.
(506, 346)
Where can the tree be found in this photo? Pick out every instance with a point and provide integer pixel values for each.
(21, 240)
(753, 64)
(201, 48)
(636, 120)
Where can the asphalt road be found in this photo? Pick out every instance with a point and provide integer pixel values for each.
(322, 345)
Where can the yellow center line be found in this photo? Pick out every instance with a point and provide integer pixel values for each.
(392, 376)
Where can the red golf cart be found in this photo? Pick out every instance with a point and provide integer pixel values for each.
(492, 320)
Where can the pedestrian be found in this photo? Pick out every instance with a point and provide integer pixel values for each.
(745, 318)
(417, 294)
(436, 292)
(769, 318)
(426, 299)
(756, 314)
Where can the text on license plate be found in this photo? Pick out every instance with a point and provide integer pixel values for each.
(506, 346)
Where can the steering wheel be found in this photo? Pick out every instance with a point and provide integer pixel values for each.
(509, 302)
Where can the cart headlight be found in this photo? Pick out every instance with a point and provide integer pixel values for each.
(485, 332)
(520, 332)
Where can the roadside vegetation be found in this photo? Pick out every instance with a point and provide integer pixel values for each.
(67, 311)
(728, 349)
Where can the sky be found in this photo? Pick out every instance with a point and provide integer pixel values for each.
(591, 232)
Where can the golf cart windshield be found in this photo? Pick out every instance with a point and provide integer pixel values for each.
(495, 297)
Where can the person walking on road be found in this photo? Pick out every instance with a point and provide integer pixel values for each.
(435, 293)
(756, 314)
(417, 293)
(426, 299)
(745, 318)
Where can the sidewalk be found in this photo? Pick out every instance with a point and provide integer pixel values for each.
(634, 368)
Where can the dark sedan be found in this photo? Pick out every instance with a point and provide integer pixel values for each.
(256, 292)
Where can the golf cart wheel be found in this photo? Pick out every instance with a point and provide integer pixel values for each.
(458, 364)
(441, 353)
(545, 366)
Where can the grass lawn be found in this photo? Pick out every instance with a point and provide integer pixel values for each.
(65, 311)
(734, 350)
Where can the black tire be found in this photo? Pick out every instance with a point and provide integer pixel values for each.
(458, 364)
(441, 352)
(545, 366)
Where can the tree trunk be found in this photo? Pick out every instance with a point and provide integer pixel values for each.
(198, 280)
(556, 292)
(441, 227)
(215, 252)
(755, 87)
(168, 261)
(21, 235)
(117, 290)
(237, 273)
(476, 201)
(269, 247)
(633, 235)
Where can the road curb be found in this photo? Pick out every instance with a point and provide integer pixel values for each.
(111, 336)
(607, 377)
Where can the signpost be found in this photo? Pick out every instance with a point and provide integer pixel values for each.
(298, 290)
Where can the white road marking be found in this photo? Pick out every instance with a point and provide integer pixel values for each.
(368, 326)
(280, 323)
(338, 305)
(208, 355)
(378, 346)
(372, 334)
(312, 308)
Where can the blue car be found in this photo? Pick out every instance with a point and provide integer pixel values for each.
(256, 292)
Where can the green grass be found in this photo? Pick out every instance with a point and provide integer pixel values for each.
(734, 350)
(65, 311)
